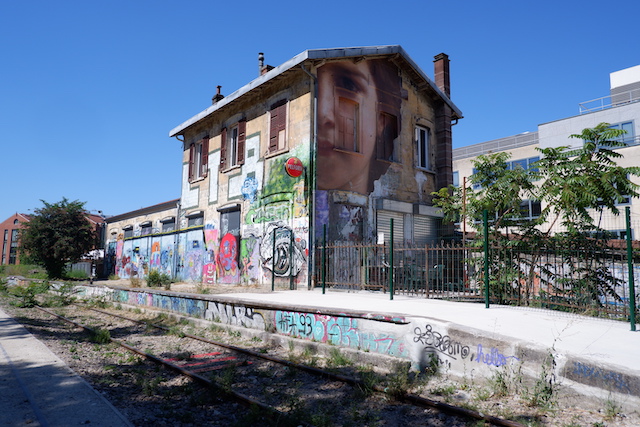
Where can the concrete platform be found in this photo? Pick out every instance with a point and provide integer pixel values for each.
(597, 358)
(39, 389)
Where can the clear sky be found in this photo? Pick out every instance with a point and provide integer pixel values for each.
(89, 90)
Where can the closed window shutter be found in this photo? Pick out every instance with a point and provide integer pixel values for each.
(192, 156)
(278, 125)
(205, 157)
(223, 148)
(242, 128)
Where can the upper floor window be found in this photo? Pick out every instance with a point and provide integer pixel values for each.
(168, 224)
(232, 145)
(456, 179)
(145, 228)
(527, 164)
(278, 126)
(386, 138)
(627, 138)
(422, 147)
(530, 209)
(128, 231)
(195, 219)
(347, 114)
(198, 159)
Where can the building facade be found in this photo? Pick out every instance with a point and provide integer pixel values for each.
(332, 144)
(141, 240)
(621, 109)
(10, 230)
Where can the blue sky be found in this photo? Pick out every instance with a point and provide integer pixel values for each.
(89, 90)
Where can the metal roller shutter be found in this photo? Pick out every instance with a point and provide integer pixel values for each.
(384, 225)
(425, 230)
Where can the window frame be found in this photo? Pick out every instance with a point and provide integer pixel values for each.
(198, 160)
(278, 141)
(232, 146)
(342, 125)
(423, 160)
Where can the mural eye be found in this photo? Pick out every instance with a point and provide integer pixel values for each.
(346, 82)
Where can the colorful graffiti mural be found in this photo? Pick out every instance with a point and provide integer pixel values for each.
(280, 252)
(341, 331)
(228, 259)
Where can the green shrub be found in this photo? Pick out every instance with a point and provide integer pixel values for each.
(155, 278)
(76, 275)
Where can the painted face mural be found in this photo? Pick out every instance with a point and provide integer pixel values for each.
(358, 121)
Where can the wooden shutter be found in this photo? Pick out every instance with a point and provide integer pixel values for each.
(242, 130)
(192, 156)
(278, 124)
(223, 148)
(205, 157)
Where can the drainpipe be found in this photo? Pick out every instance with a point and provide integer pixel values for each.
(312, 181)
(176, 239)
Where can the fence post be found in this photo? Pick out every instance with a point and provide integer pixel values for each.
(391, 261)
(291, 261)
(324, 257)
(485, 220)
(273, 262)
(632, 286)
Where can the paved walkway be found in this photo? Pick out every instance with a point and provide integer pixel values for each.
(39, 389)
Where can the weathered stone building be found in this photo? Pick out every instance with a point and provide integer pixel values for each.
(341, 140)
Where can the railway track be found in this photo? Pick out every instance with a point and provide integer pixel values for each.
(276, 385)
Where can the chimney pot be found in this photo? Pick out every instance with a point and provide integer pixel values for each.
(260, 63)
(218, 96)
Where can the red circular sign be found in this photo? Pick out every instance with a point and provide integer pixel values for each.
(294, 167)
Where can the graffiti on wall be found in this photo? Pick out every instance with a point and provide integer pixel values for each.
(594, 375)
(235, 315)
(447, 349)
(349, 225)
(280, 252)
(342, 331)
(209, 269)
(250, 258)
(228, 259)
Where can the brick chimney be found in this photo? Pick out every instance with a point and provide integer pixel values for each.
(441, 73)
(218, 96)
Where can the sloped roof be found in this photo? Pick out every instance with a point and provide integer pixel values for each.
(402, 59)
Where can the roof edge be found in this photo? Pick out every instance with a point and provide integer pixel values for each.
(316, 54)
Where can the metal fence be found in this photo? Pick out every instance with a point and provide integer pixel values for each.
(597, 277)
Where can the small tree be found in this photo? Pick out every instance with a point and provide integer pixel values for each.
(571, 185)
(57, 234)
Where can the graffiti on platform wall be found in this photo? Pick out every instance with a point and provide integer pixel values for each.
(341, 331)
(187, 306)
(594, 375)
(235, 315)
(280, 252)
(449, 350)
